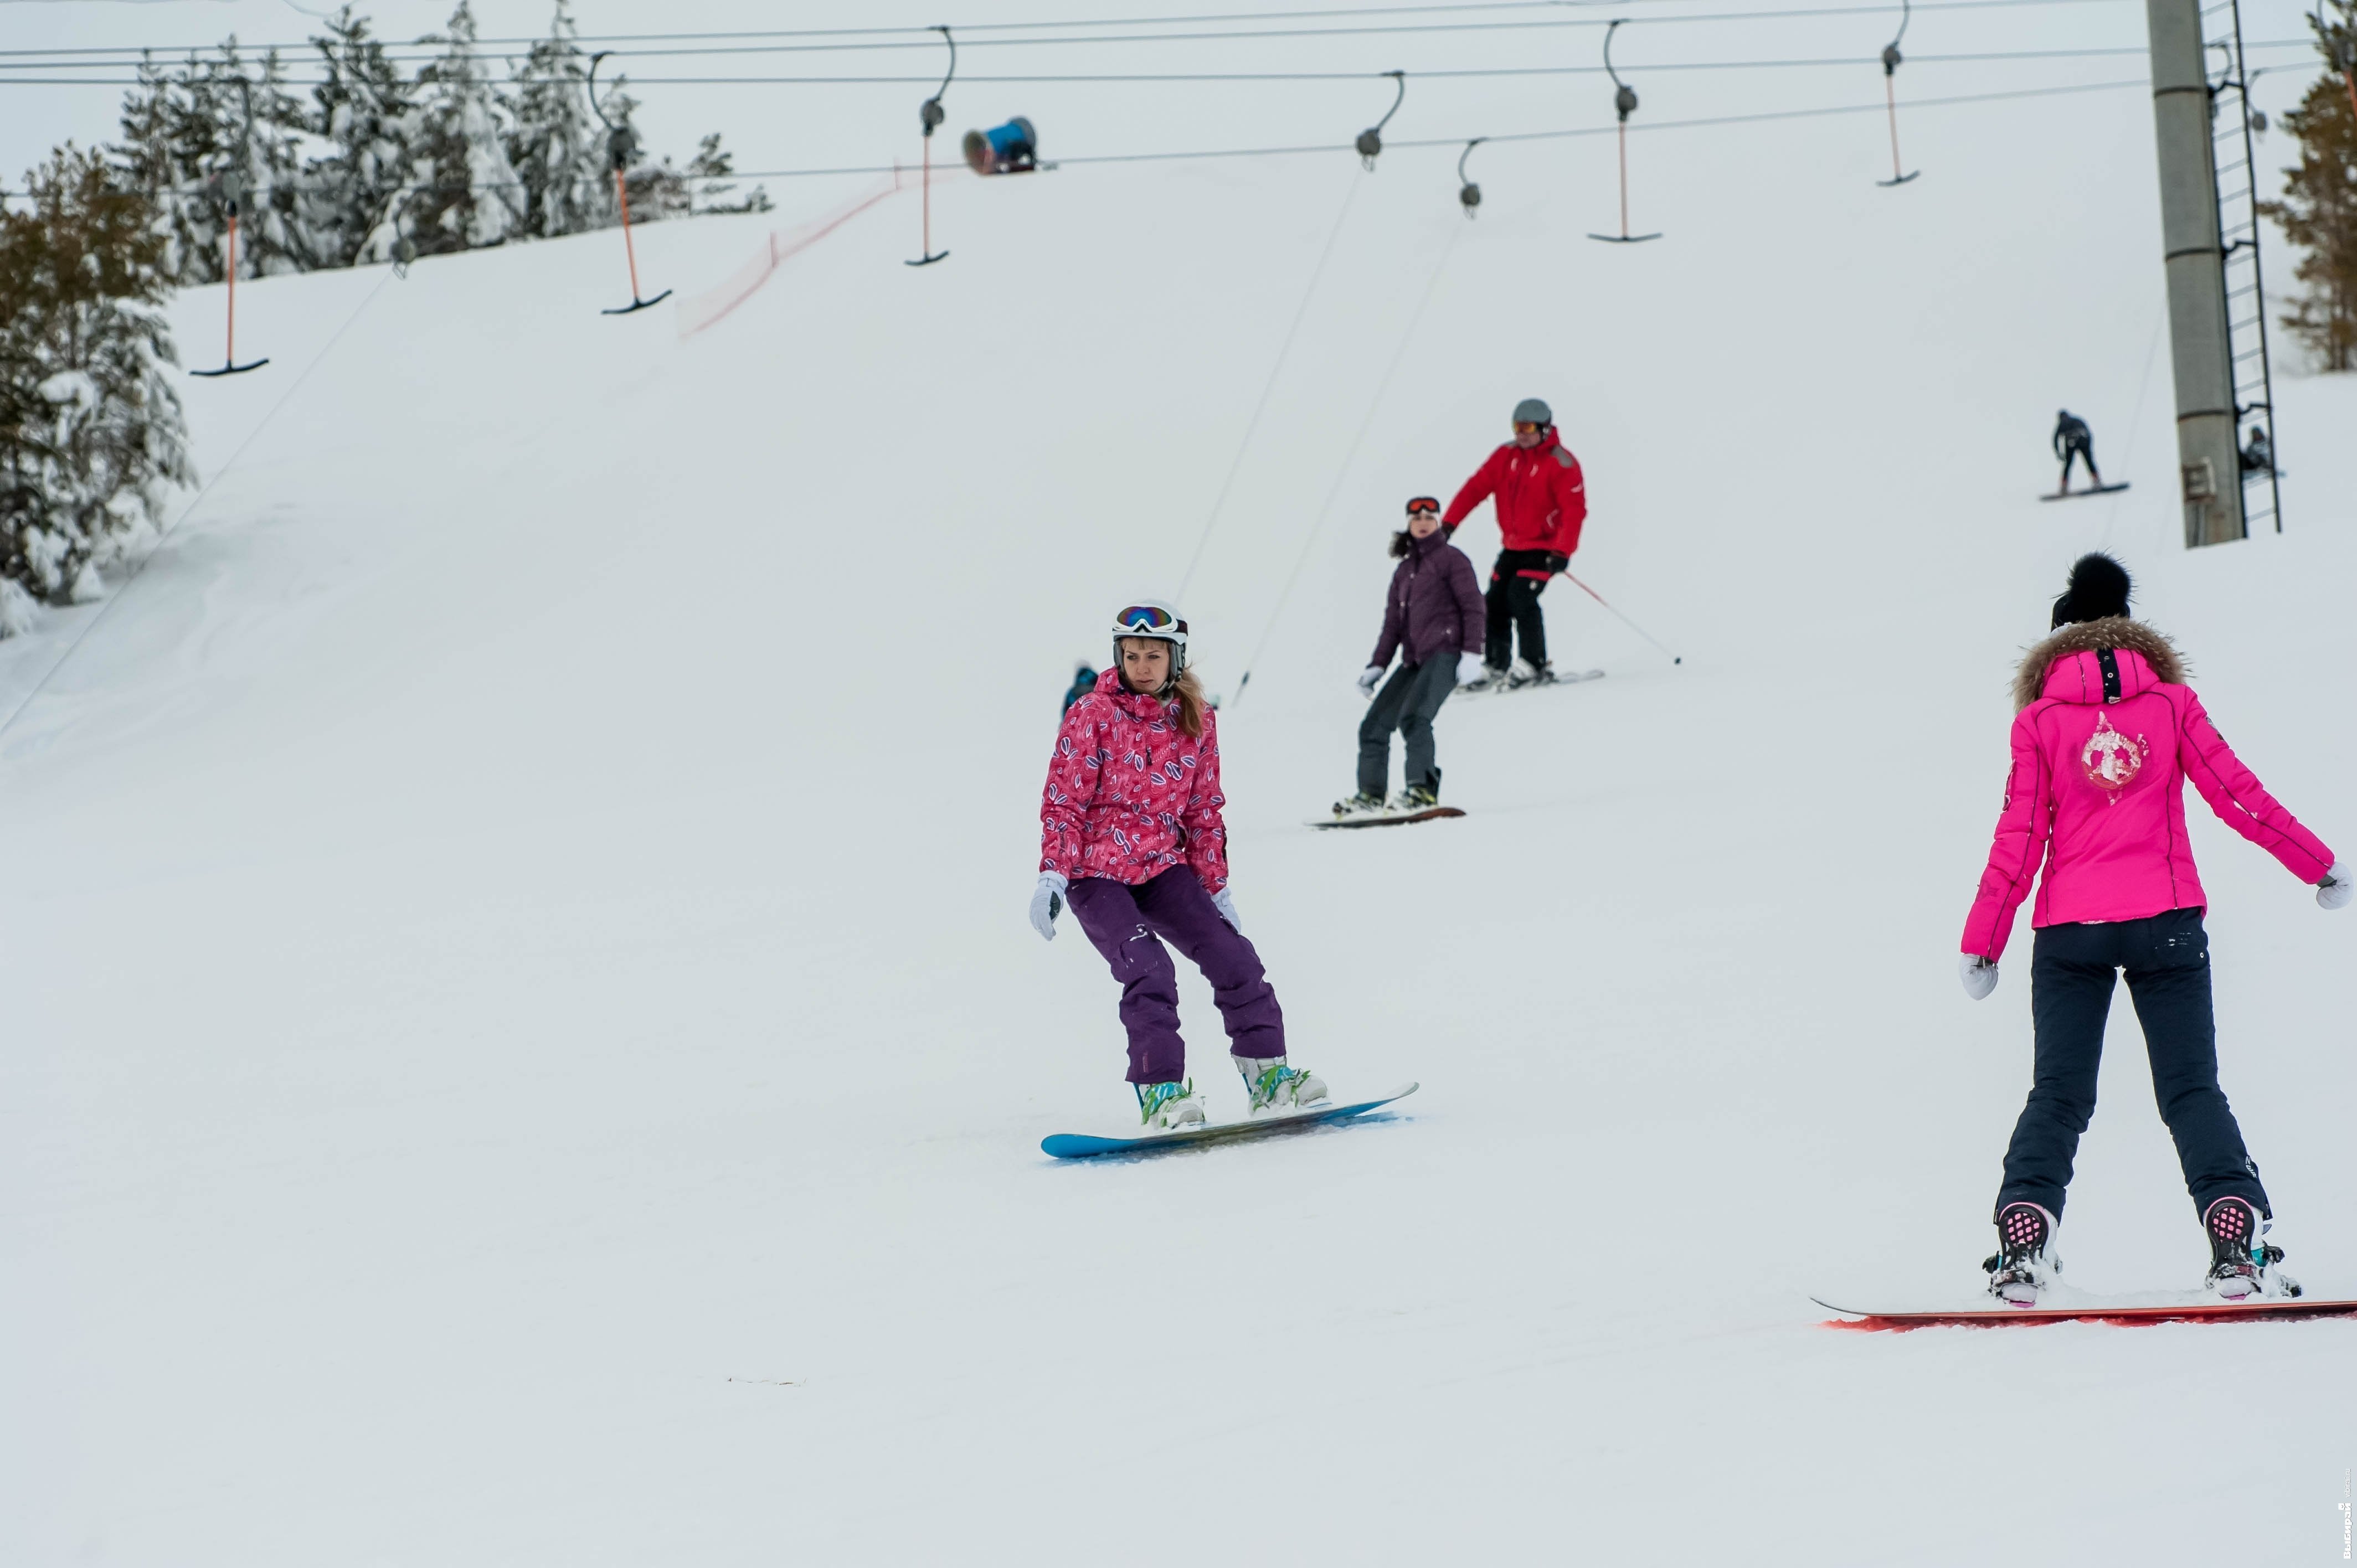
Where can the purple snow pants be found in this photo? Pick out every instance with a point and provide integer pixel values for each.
(1129, 925)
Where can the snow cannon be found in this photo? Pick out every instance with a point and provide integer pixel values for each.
(1011, 148)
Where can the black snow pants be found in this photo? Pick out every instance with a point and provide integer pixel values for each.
(2071, 975)
(1407, 703)
(1513, 601)
(2076, 450)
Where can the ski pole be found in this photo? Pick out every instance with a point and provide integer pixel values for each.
(1624, 620)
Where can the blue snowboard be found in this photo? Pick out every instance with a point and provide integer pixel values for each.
(1080, 1146)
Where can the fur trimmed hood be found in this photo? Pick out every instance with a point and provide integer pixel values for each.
(2089, 637)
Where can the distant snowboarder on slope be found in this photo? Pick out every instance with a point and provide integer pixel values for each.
(1433, 615)
(1132, 837)
(1541, 501)
(2106, 735)
(2072, 442)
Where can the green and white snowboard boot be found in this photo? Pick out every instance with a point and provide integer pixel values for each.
(1166, 1107)
(1274, 1085)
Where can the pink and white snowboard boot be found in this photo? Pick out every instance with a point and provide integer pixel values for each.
(2026, 1263)
(2242, 1265)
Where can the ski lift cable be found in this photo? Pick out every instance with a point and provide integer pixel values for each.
(1350, 457)
(883, 32)
(1209, 154)
(1136, 77)
(2135, 420)
(409, 53)
(221, 473)
(1219, 504)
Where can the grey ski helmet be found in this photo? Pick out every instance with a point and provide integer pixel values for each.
(1534, 410)
(1155, 619)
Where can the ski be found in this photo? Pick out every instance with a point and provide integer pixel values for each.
(2075, 495)
(2193, 1307)
(1082, 1146)
(1571, 679)
(1387, 819)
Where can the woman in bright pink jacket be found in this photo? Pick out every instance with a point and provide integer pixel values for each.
(2107, 736)
(1132, 838)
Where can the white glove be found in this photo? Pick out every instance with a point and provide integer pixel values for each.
(2333, 892)
(1469, 668)
(1367, 679)
(1047, 903)
(1226, 906)
(1978, 973)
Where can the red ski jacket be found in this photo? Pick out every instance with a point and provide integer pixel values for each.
(1541, 497)
(1129, 795)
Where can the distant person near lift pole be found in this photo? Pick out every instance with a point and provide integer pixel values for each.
(1541, 500)
(2258, 452)
(2072, 442)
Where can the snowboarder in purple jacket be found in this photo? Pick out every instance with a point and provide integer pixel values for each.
(1436, 620)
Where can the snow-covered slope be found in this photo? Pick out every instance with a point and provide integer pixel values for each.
(521, 1045)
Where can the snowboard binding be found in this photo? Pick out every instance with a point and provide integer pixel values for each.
(2242, 1265)
(2025, 1262)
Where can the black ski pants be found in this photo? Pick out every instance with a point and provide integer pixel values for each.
(1407, 703)
(2071, 972)
(1513, 601)
(2075, 450)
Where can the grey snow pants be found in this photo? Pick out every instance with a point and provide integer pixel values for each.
(1407, 703)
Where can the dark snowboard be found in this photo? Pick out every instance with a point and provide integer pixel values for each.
(1389, 819)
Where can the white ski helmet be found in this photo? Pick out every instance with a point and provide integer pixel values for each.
(1155, 619)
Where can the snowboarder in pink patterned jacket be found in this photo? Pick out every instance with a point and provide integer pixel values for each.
(1132, 838)
(2106, 734)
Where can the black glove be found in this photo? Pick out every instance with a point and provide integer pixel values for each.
(1557, 563)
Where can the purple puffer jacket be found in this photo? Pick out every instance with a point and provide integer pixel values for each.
(1435, 606)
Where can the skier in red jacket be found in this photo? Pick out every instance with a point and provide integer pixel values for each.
(1541, 500)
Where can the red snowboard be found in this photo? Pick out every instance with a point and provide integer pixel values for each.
(2193, 1309)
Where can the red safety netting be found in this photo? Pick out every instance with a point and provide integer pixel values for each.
(694, 314)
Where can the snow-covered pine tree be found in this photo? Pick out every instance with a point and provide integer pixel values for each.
(362, 109)
(712, 173)
(2319, 212)
(465, 194)
(91, 435)
(661, 191)
(556, 142)
(185, 130)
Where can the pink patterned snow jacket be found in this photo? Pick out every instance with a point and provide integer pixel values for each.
(1129, 795)
(2107, 736)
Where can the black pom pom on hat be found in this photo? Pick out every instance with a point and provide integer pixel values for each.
(2099, 588)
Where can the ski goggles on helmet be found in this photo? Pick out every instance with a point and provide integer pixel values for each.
(1423, 503)
(1148, 620)
(1528, 427)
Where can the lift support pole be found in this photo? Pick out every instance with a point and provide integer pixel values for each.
(2209, 459)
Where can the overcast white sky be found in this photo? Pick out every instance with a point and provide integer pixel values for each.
(789, 127)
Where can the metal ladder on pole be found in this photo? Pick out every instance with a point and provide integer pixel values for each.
(2236, 173)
